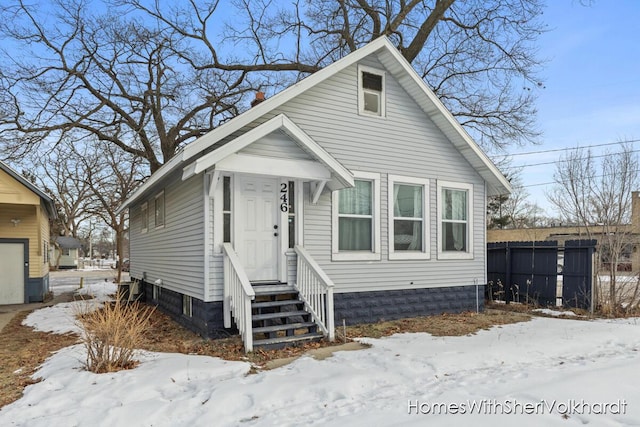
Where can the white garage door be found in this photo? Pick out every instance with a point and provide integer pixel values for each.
(11, 273)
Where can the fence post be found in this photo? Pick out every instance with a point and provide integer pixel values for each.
(507, 277)
(592, 277)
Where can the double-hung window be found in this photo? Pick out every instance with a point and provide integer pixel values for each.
(408, 213)
(144, 217)
(159, 212)
(455, 220)
(356, 219)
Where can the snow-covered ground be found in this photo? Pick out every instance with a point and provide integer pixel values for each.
(548, 371)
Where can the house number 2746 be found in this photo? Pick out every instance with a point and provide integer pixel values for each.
(284, 198)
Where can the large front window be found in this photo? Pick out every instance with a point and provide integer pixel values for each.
(355, 212)
(408, 227)
(455, 220)
(356, 216)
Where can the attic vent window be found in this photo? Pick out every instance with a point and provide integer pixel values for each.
(371, 92)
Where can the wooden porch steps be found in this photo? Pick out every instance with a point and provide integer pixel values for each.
(279, 317)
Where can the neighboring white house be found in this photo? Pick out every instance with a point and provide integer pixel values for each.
(65, 252)
(355, 186)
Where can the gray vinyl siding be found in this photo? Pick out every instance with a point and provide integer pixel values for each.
(216, 278)
(405, 142)
(277, 145)
(175, 252)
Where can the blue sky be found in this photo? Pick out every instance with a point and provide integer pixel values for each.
(592, 80)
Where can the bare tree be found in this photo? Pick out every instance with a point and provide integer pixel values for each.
(149, 77)
(61, 174)
(111, 184)
(512, 210)
(596, 193)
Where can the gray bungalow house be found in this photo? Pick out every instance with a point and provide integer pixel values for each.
(352, 195)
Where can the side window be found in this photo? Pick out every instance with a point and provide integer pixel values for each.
(159, 210)
(408, 218)
(455, 222)
(144, 217)
(226, 209)
(371, 91)
(291, 216)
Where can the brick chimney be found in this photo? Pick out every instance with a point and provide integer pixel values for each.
(259, 98)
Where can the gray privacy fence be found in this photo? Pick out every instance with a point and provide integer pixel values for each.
(541, 272)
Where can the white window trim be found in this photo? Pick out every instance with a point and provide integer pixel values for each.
(361, 110)
(469, 189)
(337, 255)
(164, 210)
(144, 217)
(404, 255)
(218, 212)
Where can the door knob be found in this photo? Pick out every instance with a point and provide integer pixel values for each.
(275, 234)
(275, 227)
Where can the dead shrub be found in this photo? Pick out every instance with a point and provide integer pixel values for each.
(112, 333)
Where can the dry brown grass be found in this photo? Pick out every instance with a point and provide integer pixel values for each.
(112, 334)
(170, 337)
(22, 351)
(442, 325)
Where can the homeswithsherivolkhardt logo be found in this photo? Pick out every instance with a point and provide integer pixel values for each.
(515, 407)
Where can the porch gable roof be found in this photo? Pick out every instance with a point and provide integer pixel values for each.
(343, 177)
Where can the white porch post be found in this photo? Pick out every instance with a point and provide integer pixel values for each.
(226, 303)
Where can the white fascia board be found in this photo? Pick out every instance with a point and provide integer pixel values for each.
(465, 141)
(260, 165)
(210, 159)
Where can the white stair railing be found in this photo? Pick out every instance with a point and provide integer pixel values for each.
(316, 290)
(238, 295)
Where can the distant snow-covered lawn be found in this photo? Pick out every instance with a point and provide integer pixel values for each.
(543, 367)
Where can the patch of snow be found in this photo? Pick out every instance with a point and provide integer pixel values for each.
(554, 313)
(546, 364)
(61, 318)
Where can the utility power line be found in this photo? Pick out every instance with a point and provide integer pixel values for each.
(562, 160)
(554, 182)
(555, 150)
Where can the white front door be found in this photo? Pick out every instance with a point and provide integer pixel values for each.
(257, 227)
